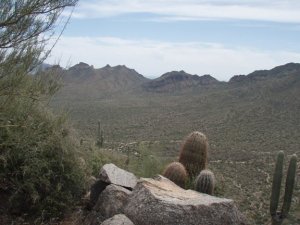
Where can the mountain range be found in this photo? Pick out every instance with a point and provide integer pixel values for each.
(122, 78)
(247, 120)
(124, 99)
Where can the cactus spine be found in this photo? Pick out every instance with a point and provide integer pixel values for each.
(176, 172)
(205, 182)
(193, 154)
(279, 216)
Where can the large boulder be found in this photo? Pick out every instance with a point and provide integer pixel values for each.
(160, 201)
(119, 219)
(112, 200)
(112, 174)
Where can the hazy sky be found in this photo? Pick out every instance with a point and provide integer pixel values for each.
(218, 37)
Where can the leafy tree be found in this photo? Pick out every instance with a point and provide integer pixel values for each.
(40, 173)
(25, 28)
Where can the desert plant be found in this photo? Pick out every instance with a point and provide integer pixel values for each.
(176, 172)
(100, 138)
(193, 154)
(39, 171)
(278, 216)
(205, 182)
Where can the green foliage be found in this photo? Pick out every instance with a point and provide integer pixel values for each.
(96, 158)
(205, 182)
(176, 172)
(23, 37)
(193, 154)
(146, 165)
(42, 172)
(278, 217)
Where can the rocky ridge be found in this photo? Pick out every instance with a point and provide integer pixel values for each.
(120, 78)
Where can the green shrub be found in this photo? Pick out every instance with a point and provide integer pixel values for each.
(40, 169)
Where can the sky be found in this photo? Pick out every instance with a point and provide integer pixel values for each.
(218, 37)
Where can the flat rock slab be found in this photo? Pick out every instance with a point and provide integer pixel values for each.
(119, 219)
(112, 200)
(161, 202)
(112, 174)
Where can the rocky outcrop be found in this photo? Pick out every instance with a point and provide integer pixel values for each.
(111, 174)
(112, 200)
(156, 201)
(160, 201)
(119, 219)
(114, 175)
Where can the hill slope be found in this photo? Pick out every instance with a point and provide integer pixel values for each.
(247, 121)
(263, 101)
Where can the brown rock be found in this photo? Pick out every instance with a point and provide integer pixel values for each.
(161, 202)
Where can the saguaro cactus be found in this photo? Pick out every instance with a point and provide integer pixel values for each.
(176, 172)
(193, 154)
(279, 216)
(205, 182)
(100, 138)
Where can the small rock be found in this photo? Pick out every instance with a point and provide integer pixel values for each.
(114, 175)
(119, 219)
(161, 202)
(112, 200)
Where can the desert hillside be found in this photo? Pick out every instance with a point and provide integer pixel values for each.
(247, 120)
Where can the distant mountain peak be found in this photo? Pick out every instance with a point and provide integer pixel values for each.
(117, 67)
(81, 66)
(175, 75)
(178, 80)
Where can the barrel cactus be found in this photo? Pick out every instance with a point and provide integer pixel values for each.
(279, 216)
(193, 154)
(205, 182)
(176, 172)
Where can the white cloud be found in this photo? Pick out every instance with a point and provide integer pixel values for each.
(262, 10)
(153, 58)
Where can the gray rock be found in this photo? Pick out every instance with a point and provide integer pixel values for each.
(161, 202)
(114, 175)
(119, 219)
(112, 200)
